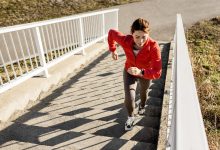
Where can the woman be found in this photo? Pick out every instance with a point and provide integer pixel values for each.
(143, 63)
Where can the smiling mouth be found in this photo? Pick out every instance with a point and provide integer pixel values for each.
(140, 44)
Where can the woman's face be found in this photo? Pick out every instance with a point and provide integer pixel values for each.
(140, 37)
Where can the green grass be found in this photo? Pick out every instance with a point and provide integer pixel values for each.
(24, 11)
(204, 46)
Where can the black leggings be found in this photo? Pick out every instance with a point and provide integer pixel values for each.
(130, 85)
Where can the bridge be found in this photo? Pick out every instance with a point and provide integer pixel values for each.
(85, 110)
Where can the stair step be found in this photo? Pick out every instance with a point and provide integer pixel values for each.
(17, 145)
(108, 116)
(86, 125)
(93, 109)
(153, 101)
(152, 111)
(155, 93)
(158, 81)
(156, 86)
(58, 138)
(100, 97)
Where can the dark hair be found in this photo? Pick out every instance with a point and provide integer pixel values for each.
(140, 24)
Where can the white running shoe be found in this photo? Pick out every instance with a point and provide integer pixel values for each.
(141, 110)
(129, 124)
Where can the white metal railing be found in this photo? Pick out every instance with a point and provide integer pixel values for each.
(186, 131)
(30, 49)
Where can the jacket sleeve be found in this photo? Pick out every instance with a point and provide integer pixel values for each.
(154, 72)
(113, 37)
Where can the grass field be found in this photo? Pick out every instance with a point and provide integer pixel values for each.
(24, 11)
(203, 40)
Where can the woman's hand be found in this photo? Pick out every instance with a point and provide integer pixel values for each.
(115, 55)
(134, 71)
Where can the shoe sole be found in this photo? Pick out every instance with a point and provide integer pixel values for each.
(141, 113)
(128, 129)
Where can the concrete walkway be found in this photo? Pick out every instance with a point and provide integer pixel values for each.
(87, 112)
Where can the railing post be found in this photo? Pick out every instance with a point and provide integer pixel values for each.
(116, 22)
(82, 42)
(39, 46)
(103, 26)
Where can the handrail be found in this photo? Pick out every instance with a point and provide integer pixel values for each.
(187, 128)
(28, 50)
(52, 21)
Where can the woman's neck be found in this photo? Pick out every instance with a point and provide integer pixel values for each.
(136, 47)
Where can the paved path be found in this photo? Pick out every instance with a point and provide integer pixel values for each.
(162, 14)
(87, 112)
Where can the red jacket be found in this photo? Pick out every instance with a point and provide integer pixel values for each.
(148, 58)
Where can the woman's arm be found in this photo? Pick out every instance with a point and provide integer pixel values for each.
(113, 37)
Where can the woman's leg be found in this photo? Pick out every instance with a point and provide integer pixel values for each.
(130, 85)
(144, 85)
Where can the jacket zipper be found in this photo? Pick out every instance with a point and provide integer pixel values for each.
(135, 57)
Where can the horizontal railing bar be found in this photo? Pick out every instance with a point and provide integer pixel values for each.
(52, 21)
(20, 79)
(67, 55)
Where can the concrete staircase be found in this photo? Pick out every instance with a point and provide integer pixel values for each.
(87, 112)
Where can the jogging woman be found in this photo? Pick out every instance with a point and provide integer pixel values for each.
(143, 63)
